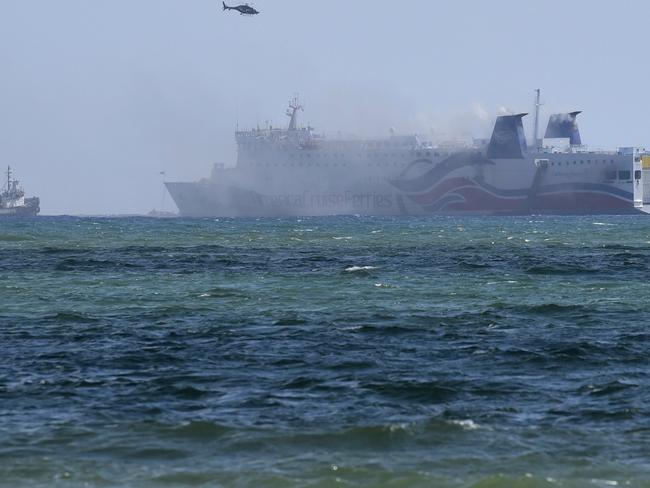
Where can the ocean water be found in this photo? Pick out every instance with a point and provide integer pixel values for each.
(325, 352)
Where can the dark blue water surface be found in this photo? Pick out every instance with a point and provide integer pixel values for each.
(430, 352)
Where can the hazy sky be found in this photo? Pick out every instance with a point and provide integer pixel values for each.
(97, 97)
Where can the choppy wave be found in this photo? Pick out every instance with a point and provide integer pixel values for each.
(510, 353)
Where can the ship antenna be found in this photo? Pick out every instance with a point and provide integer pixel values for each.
(292, 111)
(538, 104)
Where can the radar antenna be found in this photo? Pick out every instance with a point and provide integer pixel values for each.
(292, 111)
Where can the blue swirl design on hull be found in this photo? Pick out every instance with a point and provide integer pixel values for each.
(426, 191)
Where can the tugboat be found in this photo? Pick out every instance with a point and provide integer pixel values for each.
(13, 202)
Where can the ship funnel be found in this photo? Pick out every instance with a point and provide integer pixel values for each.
(564, 126)
(508, 139)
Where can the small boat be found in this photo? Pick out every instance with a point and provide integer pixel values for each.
(13, 202)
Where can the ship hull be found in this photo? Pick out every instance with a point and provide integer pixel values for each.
(462, 196)
(461, 183)
(25, 211)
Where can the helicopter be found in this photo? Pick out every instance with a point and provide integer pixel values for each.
(242, 9)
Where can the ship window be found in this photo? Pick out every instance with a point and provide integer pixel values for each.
(610, 175)
(575, 162)
(582, 162)
(637, 174)
(624, 175)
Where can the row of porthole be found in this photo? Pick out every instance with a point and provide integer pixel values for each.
(316, 155)
(386, 163)
(293, 165)
(419, 154)
(388, 144)
(581, 162)
(368, 155)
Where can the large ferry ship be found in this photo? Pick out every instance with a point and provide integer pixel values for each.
(296, 172)
(13, 202)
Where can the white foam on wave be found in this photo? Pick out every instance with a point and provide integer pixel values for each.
(351, 327)
(354, 269)
(402, 426)
(347, 238)
(605, 482)
(466, 424)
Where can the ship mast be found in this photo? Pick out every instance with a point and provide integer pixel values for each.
(8, 178)
(536, 128)
(292, 111)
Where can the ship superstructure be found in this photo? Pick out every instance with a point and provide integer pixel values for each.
(12, 199)
(295, 171)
